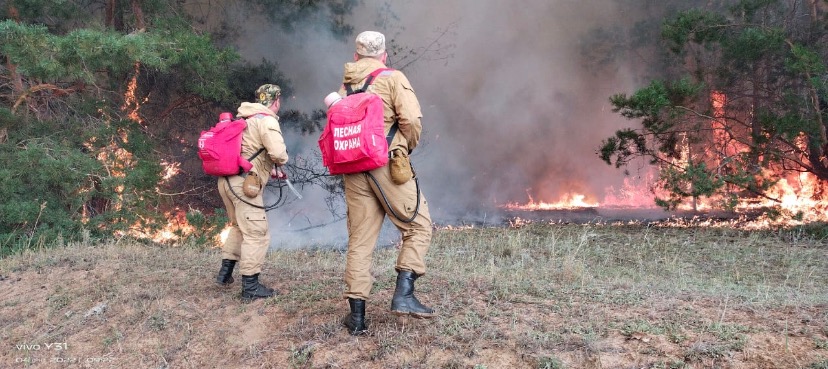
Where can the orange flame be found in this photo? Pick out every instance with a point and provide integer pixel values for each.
(797, 197)
(568, 201)
(170, 170)
(224, 234)
(131, 103)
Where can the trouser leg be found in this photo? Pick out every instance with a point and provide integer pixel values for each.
(231, 249)
(416, 234)
(365, 216)
(253, 231)
(414, 222)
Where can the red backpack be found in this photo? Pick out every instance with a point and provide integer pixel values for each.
(220, 148)
(354, 139)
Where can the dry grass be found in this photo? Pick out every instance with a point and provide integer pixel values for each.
(537, 296)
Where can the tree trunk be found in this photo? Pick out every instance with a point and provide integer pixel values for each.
(17, 81)
(114, 15)
(110, 14)
(140, 25)
(814, 11)
(755, 125)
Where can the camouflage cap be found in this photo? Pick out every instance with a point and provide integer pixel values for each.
(268, 93)
(370, 43)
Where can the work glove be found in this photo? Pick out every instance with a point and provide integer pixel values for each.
(278, 173)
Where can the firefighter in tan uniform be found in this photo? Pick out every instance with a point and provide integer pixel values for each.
(365, 204)
(249, 237)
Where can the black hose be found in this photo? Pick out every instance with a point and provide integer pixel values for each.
(391, 209)
(266, 208)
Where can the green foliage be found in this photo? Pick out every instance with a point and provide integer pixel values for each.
(659, 106)
(626, 144)
(7, 119)
(55, 14)
(752, 45)
(54, 188)
(817, 230)
(646, 102)
(749, 8)
(788, 126)
(696, 25)
(657, 103)
(819, 364)
(94, 101)
(82, 54)
(546, 362)
(694, 180)
(45, 183)
(302, 122)
(743, 104)
(245, 78)
(805, 60)
(290, 13)
(208, 226)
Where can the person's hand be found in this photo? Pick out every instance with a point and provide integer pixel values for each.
(277, 173)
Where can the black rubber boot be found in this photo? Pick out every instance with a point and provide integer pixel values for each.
(355, 321)
(225, 274)
(252, 289)
(404, 302)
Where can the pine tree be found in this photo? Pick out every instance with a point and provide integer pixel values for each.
(743, 107)
(81, 153)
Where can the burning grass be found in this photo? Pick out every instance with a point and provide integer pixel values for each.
(528, 296)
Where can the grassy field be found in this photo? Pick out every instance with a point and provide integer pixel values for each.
(529, 296)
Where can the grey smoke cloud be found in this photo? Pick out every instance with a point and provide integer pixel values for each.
(514, 110)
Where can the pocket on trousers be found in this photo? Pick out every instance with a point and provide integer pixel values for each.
(256, 223)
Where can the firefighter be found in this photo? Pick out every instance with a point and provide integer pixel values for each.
(368, 195)
(249, 237)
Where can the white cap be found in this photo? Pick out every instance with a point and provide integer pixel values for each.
(332, 99)
(370, 43)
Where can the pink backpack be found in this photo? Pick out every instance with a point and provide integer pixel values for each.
(220, 148)
(354, 139)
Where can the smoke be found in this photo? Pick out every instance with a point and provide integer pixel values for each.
(514, 95)
(515, 111)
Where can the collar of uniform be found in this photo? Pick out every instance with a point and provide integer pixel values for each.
(358, 70)
(248, 109)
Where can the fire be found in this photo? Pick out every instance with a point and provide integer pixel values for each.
(796, 198)
(176, 228)
(568, 201)
(224, 234)
(724, 145)
(170, 170)
(633, 194)
(799, 197)
(131, 103)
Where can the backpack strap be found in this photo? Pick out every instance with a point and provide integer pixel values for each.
(368, 81)
(256, 154)
(260, 150)
(391, 133)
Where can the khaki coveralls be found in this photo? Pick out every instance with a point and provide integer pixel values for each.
(249, 236)
(366, 209)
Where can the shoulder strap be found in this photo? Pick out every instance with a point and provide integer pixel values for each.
(256, 154)
(391, 133)
(368, 81)
(262, 149)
